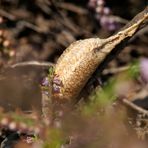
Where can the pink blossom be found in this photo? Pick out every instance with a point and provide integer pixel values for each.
(144, 69)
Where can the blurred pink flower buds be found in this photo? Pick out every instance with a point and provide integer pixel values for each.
(144, 69)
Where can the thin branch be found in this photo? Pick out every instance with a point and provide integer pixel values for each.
(30, 25)
(115, 70)
(135, 107)
(72, 7)
(7, 15)
(21, 22)
(32, 63)
(140, 33)
(119, 19)
(46, 107)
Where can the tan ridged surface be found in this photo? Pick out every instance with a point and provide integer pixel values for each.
(81, 58)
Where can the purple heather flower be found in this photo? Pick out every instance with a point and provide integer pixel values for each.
(108, 23)
(106, 11)
(45, 82)
(103, 15)
(56, 89)
(144, 69)
(99, 10)
(57, 81)
(100, 2)
(92, 3)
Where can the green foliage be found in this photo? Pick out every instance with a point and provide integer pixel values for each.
(100, 99)
(50, 72)
(54, 139)
(103, 97)
(133, 71)
(19, 118)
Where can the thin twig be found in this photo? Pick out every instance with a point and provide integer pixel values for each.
(115, 70)
(135, 107)
(7, 15)
(140, 33)
(29, 25)
(32, 63)
(46, 107)
(119, 19)
(20, 22)
(72, 7)
(141, 94)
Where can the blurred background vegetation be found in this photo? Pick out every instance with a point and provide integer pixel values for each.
(112, 111)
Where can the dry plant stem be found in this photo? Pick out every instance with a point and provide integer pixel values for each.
(21, 22)
(72, 7)
(119, 19)
(81, 58)
(115, 70)
(46, 108)
(46, 95)
(7, 15)
(135, 107)
(32, 63)
(141, 32)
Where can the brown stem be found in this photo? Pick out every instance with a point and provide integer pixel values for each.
(135, 107)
